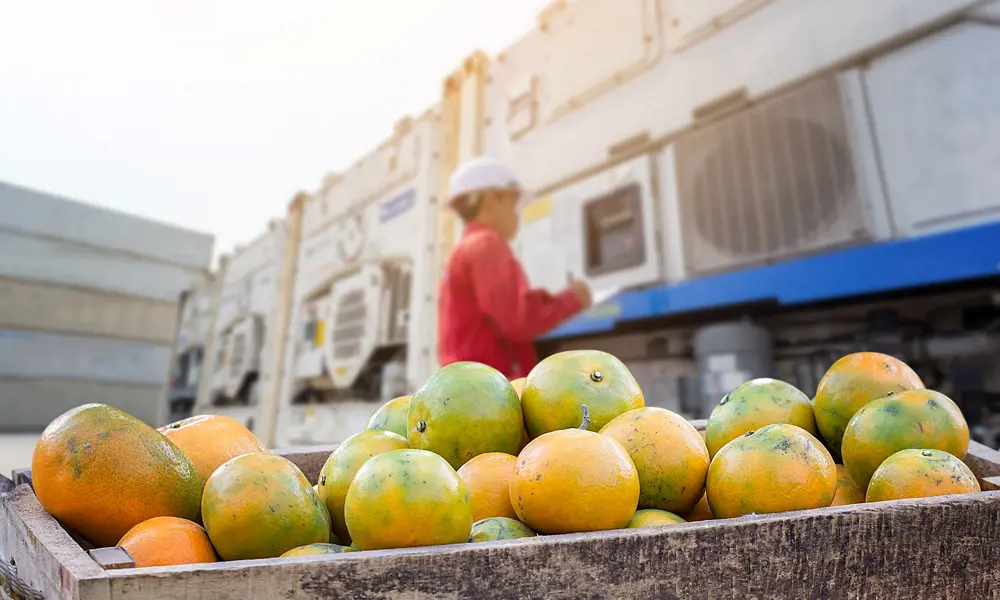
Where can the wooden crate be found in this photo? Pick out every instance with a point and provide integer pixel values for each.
(943, 547)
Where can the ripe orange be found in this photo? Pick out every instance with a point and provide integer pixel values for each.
(651, 517)
(912, 419)
(774, 469)
(558, 386)
(702, 511)
(669, 455)
(920, 473)
(574, 480)
(755, 404)
(101, 472)
(405, 499)
(210, 440)
(852, 382)
(488, 478)
(848, 492)
(165, 541)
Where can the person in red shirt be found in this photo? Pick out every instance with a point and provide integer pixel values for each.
(487, 313)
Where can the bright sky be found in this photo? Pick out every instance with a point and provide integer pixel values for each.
(210, 114)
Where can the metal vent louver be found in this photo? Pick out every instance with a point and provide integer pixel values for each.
(238, 354)
(349, 325)
(770, 182)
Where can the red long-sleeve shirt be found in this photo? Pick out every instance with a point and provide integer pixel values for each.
(486, 311)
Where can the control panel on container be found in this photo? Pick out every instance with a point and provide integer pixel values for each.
(613, 231)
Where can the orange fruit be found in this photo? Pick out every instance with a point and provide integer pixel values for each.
(315, 550)
(391, 416)
(342, 465)
(165, 541)
(260, 506)
(912, 419)
(848, 492)
(852, 382)
(101, 472)
(651, 517)
(518, 385)
(407, 498)
(669, 454)
(463, 410)
(574, 480)
(210, 440)
(488, 478)
(702, 511)
(920, 473)
(753, 405)
(499, 528)
(558, 386)
(774, 469)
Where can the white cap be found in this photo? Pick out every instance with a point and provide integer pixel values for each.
(481, 174)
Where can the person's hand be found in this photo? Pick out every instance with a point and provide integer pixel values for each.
(581, 290)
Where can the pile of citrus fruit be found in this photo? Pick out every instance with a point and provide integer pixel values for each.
(473, 457)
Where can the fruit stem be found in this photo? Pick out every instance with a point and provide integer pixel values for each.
(585, 423)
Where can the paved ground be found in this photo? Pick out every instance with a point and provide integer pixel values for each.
(15, 451)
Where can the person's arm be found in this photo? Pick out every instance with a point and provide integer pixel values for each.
(502, 292)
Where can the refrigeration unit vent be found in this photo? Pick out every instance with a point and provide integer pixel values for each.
(397, 290)
(239, 353)
(349, 325)
(772, 182)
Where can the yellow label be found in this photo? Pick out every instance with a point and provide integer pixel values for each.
(539, 209)
(341, 371)
(320, 335)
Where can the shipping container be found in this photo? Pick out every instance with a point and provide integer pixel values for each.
(240, 352)
(88, 306)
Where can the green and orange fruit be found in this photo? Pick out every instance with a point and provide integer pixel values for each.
(753, 405)
(912, 419)
(920, 473)
(261, 506)
(852, 382)
(463, 410)
(405, 499)
(559, 385)
(391, 416)
(669, 455)
(343, 464)
(775, 469)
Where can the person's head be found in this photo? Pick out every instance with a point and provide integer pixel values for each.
(486, 191)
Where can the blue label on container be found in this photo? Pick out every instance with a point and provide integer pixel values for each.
(392, 208)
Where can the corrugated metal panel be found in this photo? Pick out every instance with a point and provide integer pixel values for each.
(30, 404)
(30, 354)
(31, 305)
(53, 261)
(42, 214)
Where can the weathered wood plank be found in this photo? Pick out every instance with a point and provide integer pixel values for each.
(983, 460)
(21, 477)
(309, 459)
(46, 557)
(928, 548)
(112, 558)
